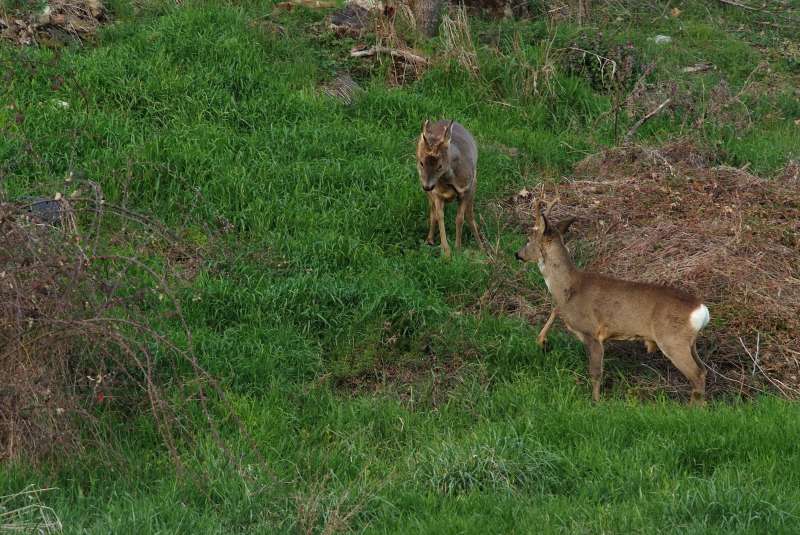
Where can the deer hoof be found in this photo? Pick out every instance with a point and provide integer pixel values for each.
(697, 400)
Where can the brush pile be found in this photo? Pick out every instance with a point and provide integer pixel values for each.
(670, 216)
(59, 20)
(91, 330)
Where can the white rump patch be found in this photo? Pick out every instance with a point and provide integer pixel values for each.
(699, 317)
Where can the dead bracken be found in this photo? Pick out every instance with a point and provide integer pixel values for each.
(668, 215)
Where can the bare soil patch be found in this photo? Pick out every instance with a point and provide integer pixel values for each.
(669, 215)
(421, 374)
(427, 381)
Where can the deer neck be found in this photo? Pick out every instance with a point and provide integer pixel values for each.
(559, 273)
(453, 155)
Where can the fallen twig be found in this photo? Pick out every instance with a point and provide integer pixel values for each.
(372, 51)
(737, 4)
(311, 4)
(780, 385)
(602, 60)
(23, 512)
(755, 358)
(644, 119)
(756, 9)
(697, 67)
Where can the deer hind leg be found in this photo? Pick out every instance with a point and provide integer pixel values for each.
(431, 220)
(472, 225)
(681, 354)
(462, 206)
(700, 364)
(439, 206)
(595, 349)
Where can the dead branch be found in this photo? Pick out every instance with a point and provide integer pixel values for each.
(779, 385)
(742, 6)
(601, 60)
(697, 67)
(733, 3)
(644, 119)
(396, 53)
(311, 4)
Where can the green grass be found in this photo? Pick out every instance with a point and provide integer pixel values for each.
(218, 121)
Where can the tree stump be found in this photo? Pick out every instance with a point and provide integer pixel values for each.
(426, 13)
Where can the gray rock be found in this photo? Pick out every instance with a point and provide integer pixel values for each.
(45, 210)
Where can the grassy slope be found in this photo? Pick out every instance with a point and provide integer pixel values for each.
(221, 121)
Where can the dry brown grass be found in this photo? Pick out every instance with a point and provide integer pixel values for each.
(342, 88)
(24, 512)
(456, 38)
(327, 511)
(395, 29)
(668, 215)
(578, 11)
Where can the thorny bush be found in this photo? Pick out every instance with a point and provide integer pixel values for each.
(91, 329)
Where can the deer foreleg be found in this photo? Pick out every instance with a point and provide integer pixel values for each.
(439, 205)
(543, 333)
(431, 220)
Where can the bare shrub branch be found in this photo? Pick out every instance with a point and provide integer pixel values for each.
(87, 300)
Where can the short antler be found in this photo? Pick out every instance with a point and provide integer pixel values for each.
(425, 132)
(538, 219)
(549, 207)
(540, 216)
(448, 131)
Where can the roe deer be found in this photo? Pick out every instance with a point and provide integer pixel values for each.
(597, 308)
(446, 160)
(541, 339)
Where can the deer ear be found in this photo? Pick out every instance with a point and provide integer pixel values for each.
(547, 228)
(563, 226)
(448, 132)
(425, 133)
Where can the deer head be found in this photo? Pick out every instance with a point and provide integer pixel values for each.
(433, 153)
(545, 235)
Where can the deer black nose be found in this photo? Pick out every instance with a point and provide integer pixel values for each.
(428, 188)
(518, 256)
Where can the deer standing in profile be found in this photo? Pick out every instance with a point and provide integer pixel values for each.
(597, 308)
(447, 158)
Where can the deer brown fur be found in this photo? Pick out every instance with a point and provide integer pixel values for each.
(597, 308)
(447, 158)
